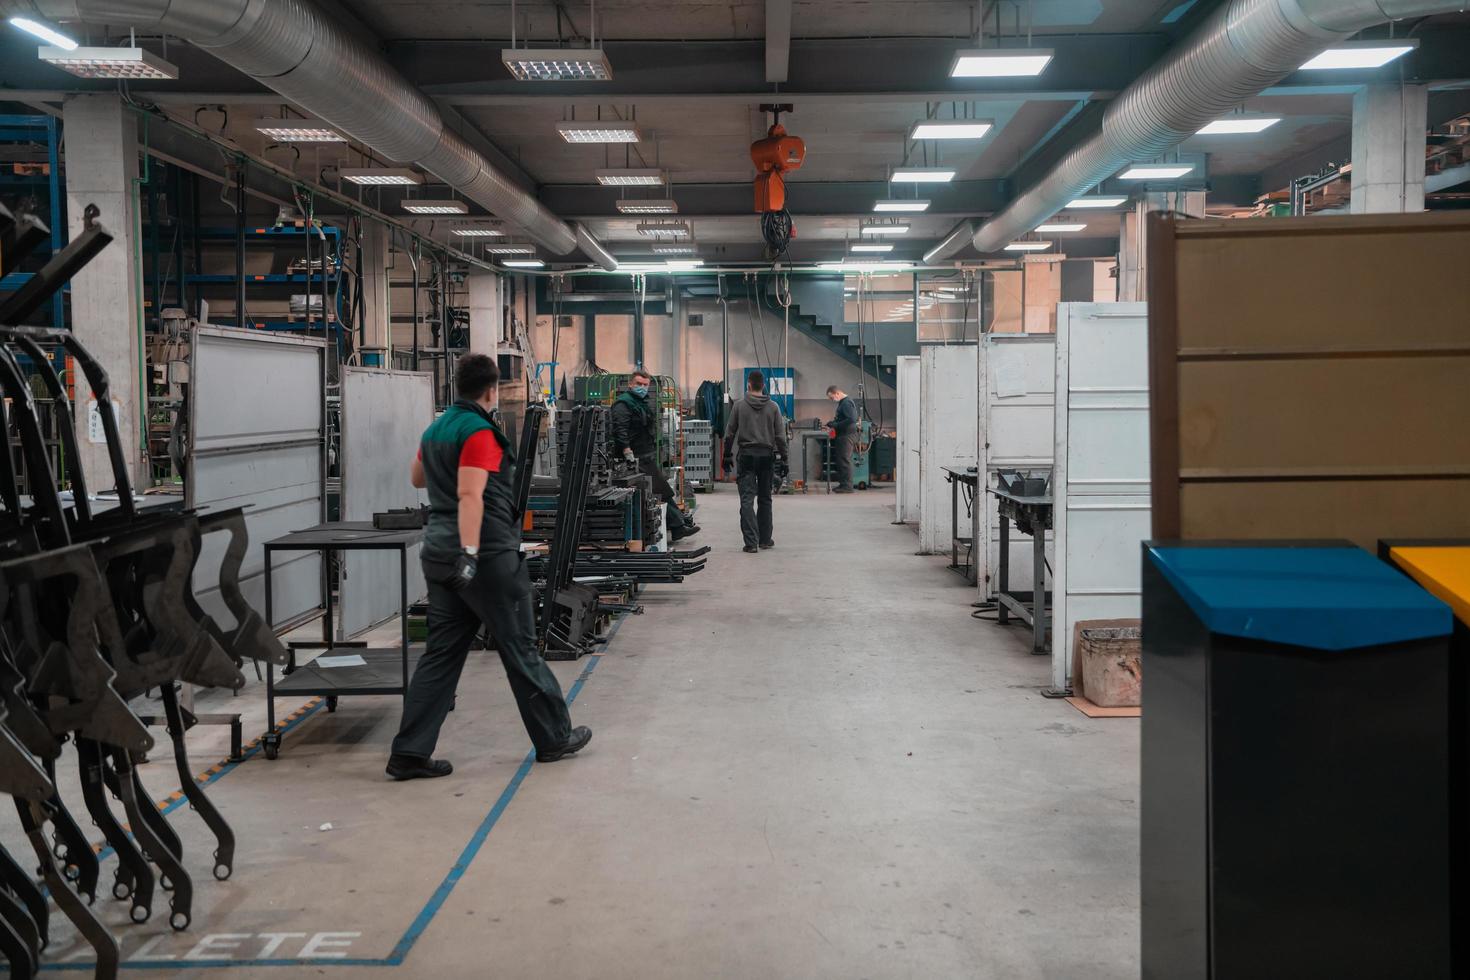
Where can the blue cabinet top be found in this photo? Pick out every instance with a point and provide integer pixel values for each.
(1325, 598)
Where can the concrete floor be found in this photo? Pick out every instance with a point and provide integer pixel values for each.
(808, 763)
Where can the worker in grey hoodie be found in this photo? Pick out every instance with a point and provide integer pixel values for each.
(755, 437)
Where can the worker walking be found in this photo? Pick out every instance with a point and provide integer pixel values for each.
(476, 574)
(634, 423)
(756, 435)
(844, 427)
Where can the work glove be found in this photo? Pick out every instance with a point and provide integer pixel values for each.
(831, 433)
(465, 565)
(628, 456)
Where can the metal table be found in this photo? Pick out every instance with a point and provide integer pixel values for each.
(967, 477)
(361, 669)
(1032, 515)
(821, 434)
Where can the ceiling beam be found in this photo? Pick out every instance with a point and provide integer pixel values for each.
(855, 198)
(778, 40)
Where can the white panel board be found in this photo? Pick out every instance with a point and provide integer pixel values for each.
(257, 440)
(1019, 379)
(906, 467)
(384, 414)
(947, 417)
(1101, 480)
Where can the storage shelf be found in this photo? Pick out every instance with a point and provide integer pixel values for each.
(271, 277)
(266, 232)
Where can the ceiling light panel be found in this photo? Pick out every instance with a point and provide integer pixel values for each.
(630, 178)
(380, 176)
(663, 205)
(1360, 54)
(669, 229)
(1097, 201)
(922, 175)
(872, 247)
(972, 129)
(599, 132)
(523, 263)
(1000, 63)
(1156, 171)
(900, 205)
(1060, 228)
(557, 64)
(477, 232)
(672, 249)
(1028, 246)
(510, 248)
(299, 131)
(862, 265)
(880, 230)
(1239, 125)
(423, 205)
(44, 31)
(108, 62)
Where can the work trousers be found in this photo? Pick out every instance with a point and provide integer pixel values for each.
(756, 472)
(842, 449)
(499, 597)
(662, 489)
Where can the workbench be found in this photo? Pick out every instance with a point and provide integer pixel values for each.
(805, 435)
(341, 667)
(957, 479)
(1032, 514)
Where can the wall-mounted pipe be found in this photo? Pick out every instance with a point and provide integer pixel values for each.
(1240, 49)
(299, 52)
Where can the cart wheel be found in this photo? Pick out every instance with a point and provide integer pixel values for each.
(862, 486)
(331, 702)
(271, 751)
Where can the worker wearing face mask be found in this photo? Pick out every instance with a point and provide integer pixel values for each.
(634, 428)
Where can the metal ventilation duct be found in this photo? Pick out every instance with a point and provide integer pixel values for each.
(1243, 47)
(296, 50)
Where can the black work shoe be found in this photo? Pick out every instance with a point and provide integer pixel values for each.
(689, 531)
(402, 767)
(750, 549)
(842, 490)
(767, 544)
(576, 741)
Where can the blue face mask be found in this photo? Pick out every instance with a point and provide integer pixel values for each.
(640, 390)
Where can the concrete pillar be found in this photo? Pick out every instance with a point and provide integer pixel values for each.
(486, 330)
(101, 167)
(1390, 123)
(1133, 239)
(376, 306)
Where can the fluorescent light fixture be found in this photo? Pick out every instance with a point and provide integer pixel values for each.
(45, 32)
(1098, 201)
(380, 176)
(884, 230)
(872, 247)
(960, 129)
(557, 64)
(900, 204)
(423, 205)
(299, 131)
(523, 263)
(599, 132)
(672, 249)
(865, 265)
(663, 205)
(1000, 63)
(1360, 54)
(108, 62)
(510, 248)
(672, 265)
(1028, 246)
(1239, 125)
(630, 178)
(674, 229)
(477, 232)
(1060, 228)
(922, 175)
(1156, 171)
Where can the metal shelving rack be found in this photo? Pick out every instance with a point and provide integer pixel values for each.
(37, 129)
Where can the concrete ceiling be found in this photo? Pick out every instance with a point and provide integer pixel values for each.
(861, 72)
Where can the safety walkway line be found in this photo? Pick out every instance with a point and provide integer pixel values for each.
(431, 908)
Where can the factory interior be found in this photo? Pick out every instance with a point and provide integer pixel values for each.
(693, 490)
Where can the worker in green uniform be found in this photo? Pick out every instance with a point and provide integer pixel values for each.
(476, 575)
(634, 425)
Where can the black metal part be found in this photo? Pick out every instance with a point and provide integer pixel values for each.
(33, 816)
(56, 273)
(133, 878)
(224, 853)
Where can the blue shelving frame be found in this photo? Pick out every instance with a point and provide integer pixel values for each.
(33, 129)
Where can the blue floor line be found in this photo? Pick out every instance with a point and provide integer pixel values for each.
(431, 908)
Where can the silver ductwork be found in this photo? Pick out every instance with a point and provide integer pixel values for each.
(294, 49)
(1242, 48)
(957, 239)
